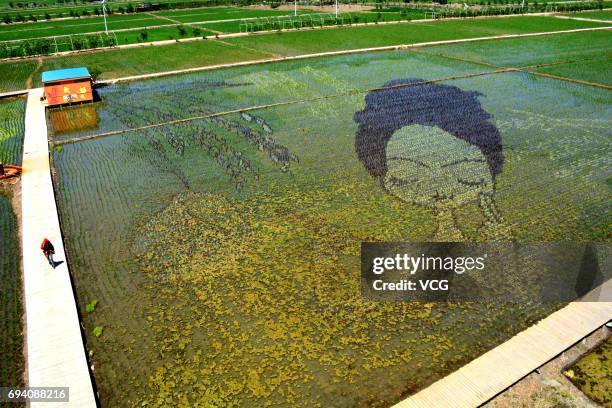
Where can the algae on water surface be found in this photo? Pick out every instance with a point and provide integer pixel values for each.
(592, 373)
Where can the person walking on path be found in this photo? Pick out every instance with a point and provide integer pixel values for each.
(49, 251)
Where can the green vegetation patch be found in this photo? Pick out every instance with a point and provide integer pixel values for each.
(570, 47)
(592, 374)
(595, 71)
(305, 42)
(12, 362)
(116, 63)
(189, 16)
(65, 27)
(12, 113)
(45, 28)
(124, 62)
(603, 14)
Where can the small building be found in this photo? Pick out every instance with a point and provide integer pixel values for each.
(70, 85)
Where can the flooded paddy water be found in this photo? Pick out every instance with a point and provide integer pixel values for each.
(223, 250)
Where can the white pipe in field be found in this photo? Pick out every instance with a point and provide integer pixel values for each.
(104, 13)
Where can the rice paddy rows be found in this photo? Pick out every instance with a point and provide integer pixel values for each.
(12, 113)
(570, 47)
(295, 43)
(121, 22)
(11, 337)
(601, 15)
(116, 63)
(274, 203)
(594, 71)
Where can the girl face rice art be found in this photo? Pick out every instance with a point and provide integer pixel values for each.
(431, 145)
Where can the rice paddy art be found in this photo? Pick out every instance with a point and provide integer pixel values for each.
(432, 145)
(224, 250)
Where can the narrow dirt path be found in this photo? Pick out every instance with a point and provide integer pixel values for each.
(243, 47)
(164, 18)
(39, 62)
(592, 20)
(572, 80)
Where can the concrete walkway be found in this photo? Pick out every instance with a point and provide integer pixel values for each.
(55, 351)
(496, 370)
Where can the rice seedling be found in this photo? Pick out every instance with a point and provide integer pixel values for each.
(12, 362)
(229, 245)
(12, 113)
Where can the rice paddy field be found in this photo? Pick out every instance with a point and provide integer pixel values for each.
(12, 113)
(591, 373)
(21, 74)
(142, 21)
(11, 338)
(597, 15)
(215, 219)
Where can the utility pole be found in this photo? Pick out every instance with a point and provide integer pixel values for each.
(295, 8)
(336, 8)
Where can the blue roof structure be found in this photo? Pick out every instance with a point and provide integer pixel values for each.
(62, 74)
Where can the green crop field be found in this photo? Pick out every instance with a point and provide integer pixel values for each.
(115, 63)
(11, 134)
(12, 363)
(601, 15)
(586, 56)
(261, 304)
(54, 11)
(198, 15)
(296, 43)
(62, 9)
(223, 252)
(66, 27)
(137, 21)
(596, 71)
(536, 50)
